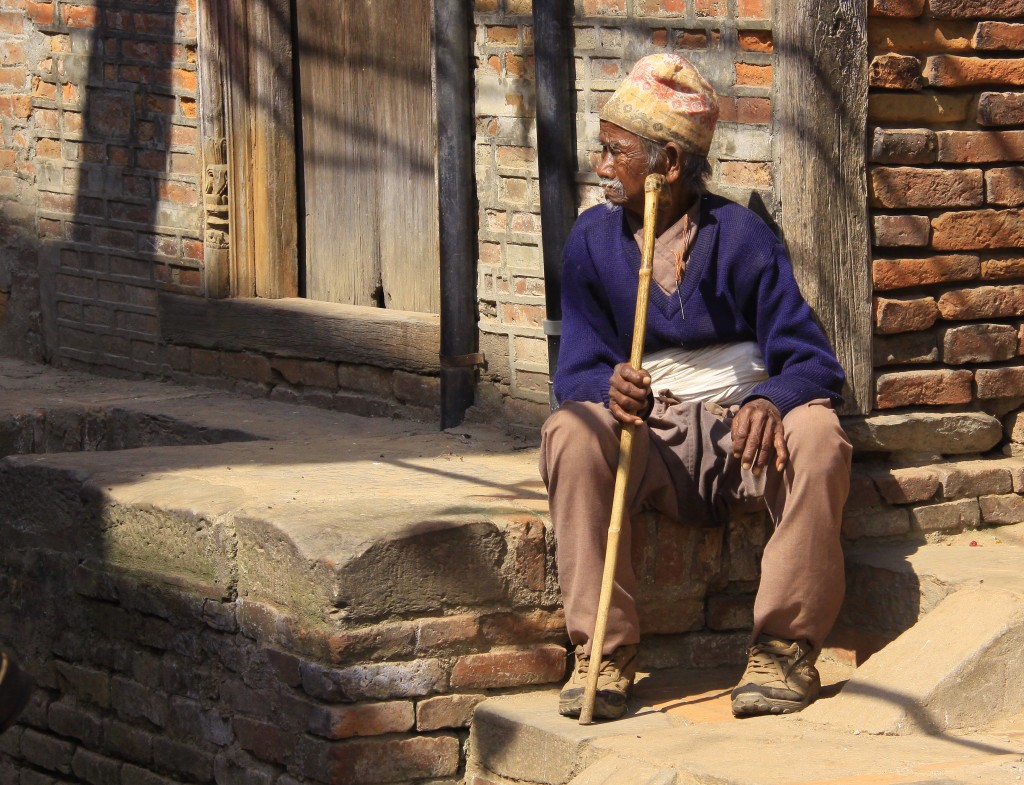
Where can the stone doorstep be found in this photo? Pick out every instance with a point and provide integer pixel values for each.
(951, 671)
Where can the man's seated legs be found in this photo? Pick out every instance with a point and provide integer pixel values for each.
(802, 579)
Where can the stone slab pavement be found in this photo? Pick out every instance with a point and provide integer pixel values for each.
(292, 504)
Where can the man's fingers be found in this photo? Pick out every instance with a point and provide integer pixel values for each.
(753, 443)
(765, 447)
(781, 453)
(623, 416)
(739, 433)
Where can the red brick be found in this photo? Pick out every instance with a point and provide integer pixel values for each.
(923, 388)
(264, 740)
(979, 343)
(898, 273)
(978, 229)
(511, 627)
(982, 302)
(381, 641)
(1000, 382)
(996, 109)
(243, 365)
(902, 316)
(907, 9)
(447, 631)
(891, 231)
(509, 668)
(756, 40)
(710, 7)
(692, 39)
(446, 711)
(904, 146)
(975, 9)
(753, 110)
(12, 22)
(903, 186)
(904, 349)
(895, 71)
(998, 35)
(1005, 186)
(980, 146)
(40, 13)
(365, 761)
(746, 173)
(957, 71)
(368, 719)
(919, 36)
(918, 108)
(753, 9)
(1000, 269)
(905, 486)
(502, 34)
(753, 75)
(79, 15)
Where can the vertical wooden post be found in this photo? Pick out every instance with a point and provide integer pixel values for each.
(820, 115)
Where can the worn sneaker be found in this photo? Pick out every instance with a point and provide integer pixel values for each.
(780, 678)
(613, 683)
(15, 690)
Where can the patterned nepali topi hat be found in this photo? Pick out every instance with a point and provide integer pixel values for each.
(665, 99)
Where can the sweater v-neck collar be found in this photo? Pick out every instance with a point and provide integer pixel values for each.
(670, 304)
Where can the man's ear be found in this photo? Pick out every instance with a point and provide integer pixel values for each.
(674, 157)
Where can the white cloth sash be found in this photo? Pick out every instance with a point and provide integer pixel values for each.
(722, 373)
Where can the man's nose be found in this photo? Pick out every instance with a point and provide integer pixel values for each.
(604, 167)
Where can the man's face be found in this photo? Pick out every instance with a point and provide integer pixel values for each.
(623, 167)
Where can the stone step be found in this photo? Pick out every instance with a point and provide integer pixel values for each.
(940, 704)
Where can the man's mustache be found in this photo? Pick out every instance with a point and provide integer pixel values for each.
(613, 188)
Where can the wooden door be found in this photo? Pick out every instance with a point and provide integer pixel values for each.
(368, 147)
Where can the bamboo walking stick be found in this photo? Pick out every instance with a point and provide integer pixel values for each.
(652, 191)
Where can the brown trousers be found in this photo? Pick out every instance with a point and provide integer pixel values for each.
(683, 467)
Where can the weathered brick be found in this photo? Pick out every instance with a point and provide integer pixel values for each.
(958, 71)
(974, 9)
(905, 146)
(923, 388)
(365, 761)
(511, 627)
(87, 684)
(918, 108)
(446, 711)
(381, 641)
(905, 486)
(69, 720)
(1002, 509)
(998, 35)
(982, 302)
(1005, 186)
(995, 109)
(127, 742)
(447, 631)
(922, 35)
(904, 349)
(999, 269)
(891, 231)
(1000, 382)
(973, 478)
(980, 146)
(898, 273)
(904, 186)
(96, 769)
(900, 8)
(245, 365)
(134, 701)
(730, 611)
(753, 75)
(901, 316)
(46, 751)
(978, 229)
(183, 759)
(883, 522)
(265, 740)
(509, 668)
(368, 719)
(979, 343)
(947, 516)
(896, 72)
(374, 681)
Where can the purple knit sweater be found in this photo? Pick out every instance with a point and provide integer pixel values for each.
(738, 286)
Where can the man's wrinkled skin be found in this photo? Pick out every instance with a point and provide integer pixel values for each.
(757, 430)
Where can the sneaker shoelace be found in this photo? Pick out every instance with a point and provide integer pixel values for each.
(766, 662)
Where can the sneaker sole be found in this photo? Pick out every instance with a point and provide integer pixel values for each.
(752, 705)
(571, 707)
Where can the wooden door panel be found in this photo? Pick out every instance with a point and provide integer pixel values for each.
(368, 152)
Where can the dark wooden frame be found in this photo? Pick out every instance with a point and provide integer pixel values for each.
(820, 116)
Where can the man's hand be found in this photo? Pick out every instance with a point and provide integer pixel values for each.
(628, 393)
(756, 431)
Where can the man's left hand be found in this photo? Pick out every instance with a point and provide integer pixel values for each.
(756, 431)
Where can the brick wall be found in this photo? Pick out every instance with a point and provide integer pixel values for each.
(947, 187)
(730, 42)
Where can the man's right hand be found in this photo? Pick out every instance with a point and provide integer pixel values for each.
(628, 394)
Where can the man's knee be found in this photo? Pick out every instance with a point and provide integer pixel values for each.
(578, 437)
(815, 437)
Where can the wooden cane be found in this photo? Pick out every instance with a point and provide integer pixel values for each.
(652, 191)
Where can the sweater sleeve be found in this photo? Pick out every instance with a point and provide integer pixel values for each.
(798, 357)
(589, 347)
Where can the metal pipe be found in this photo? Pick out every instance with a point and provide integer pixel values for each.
(456, 206)
(556, 155)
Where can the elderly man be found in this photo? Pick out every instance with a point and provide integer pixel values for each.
(734, 402)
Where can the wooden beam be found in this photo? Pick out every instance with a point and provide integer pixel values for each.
(294, 327)
(820, 115)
